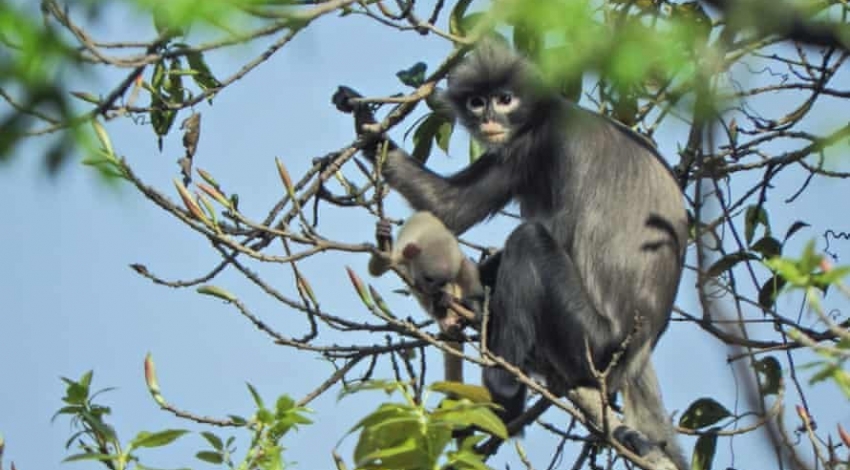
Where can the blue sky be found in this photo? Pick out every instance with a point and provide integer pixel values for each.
(70, 302)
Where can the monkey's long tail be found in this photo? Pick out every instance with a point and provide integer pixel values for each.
(644, 411)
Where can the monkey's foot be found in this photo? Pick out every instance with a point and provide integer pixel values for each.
(651, 451)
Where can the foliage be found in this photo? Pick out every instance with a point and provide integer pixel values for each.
(410, 436)
(735, 84)
(98, 441)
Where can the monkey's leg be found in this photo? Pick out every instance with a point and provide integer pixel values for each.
(488, 270)
(450, 325)
(453, 364)
(540, 311)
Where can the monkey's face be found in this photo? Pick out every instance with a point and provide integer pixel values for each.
(429, 267)
(489, 116)
(432, 279)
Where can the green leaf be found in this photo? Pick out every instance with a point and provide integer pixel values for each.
(476, 150)
(828, 371)
(101, 428)
(157, 439)
(102, 136)
(216, 292)
(214, 458)
(214, 440)
(437, 438)
(833, 276)
(203, 76)
(288, 414)
(237, 420)
(89, 456)
(789, 271)
(388, 386)
(255, 395)
(476, 415)
(444, 135)
(704, 451)
(769, 290)
(796, 226)
(755, 216)
(414, 76)
(474, 393)
(87, 97)
(456, 19)
(139, 466)
(385, 412)
(69, 410)
(571, 86)
(174, 82)
(264, 416)
(162, 118)
(811, 258)
(470, 21)
(768, 246)
(703, 412)
(527, 40)
(391, 434)
(284, 404)
(842, 379)
(76, 394)
(728, 262)
(158, 75)
(107, 165)
(86, 378)
(694, 20)
(466, 460)
(465, 414)
(471, 441)
(423, 137)
(380, 302)
(770, 375)
(404, 455)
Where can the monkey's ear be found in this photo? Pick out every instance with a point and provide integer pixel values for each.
(440, 103)
(410, 251)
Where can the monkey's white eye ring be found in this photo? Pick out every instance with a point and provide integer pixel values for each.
(505, 98)
(475, 103)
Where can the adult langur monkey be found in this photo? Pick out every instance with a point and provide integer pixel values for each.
(432, 258)
(595, 264)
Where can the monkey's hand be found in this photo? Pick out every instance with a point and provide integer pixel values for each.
(451, 323)
(639, 444)
(458, 312)
(364, 115)
(342, 99)
(364, 121)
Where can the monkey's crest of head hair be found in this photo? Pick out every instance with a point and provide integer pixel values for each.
(492, 65)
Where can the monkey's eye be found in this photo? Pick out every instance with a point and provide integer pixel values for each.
(475, 103)
(505, 98)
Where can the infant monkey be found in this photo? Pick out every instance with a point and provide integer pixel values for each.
(430, 255)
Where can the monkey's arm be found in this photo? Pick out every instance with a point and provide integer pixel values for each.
(381, 263)
(460, 200)
(471, 288)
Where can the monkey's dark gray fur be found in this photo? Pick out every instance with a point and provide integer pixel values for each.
(601, 244)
